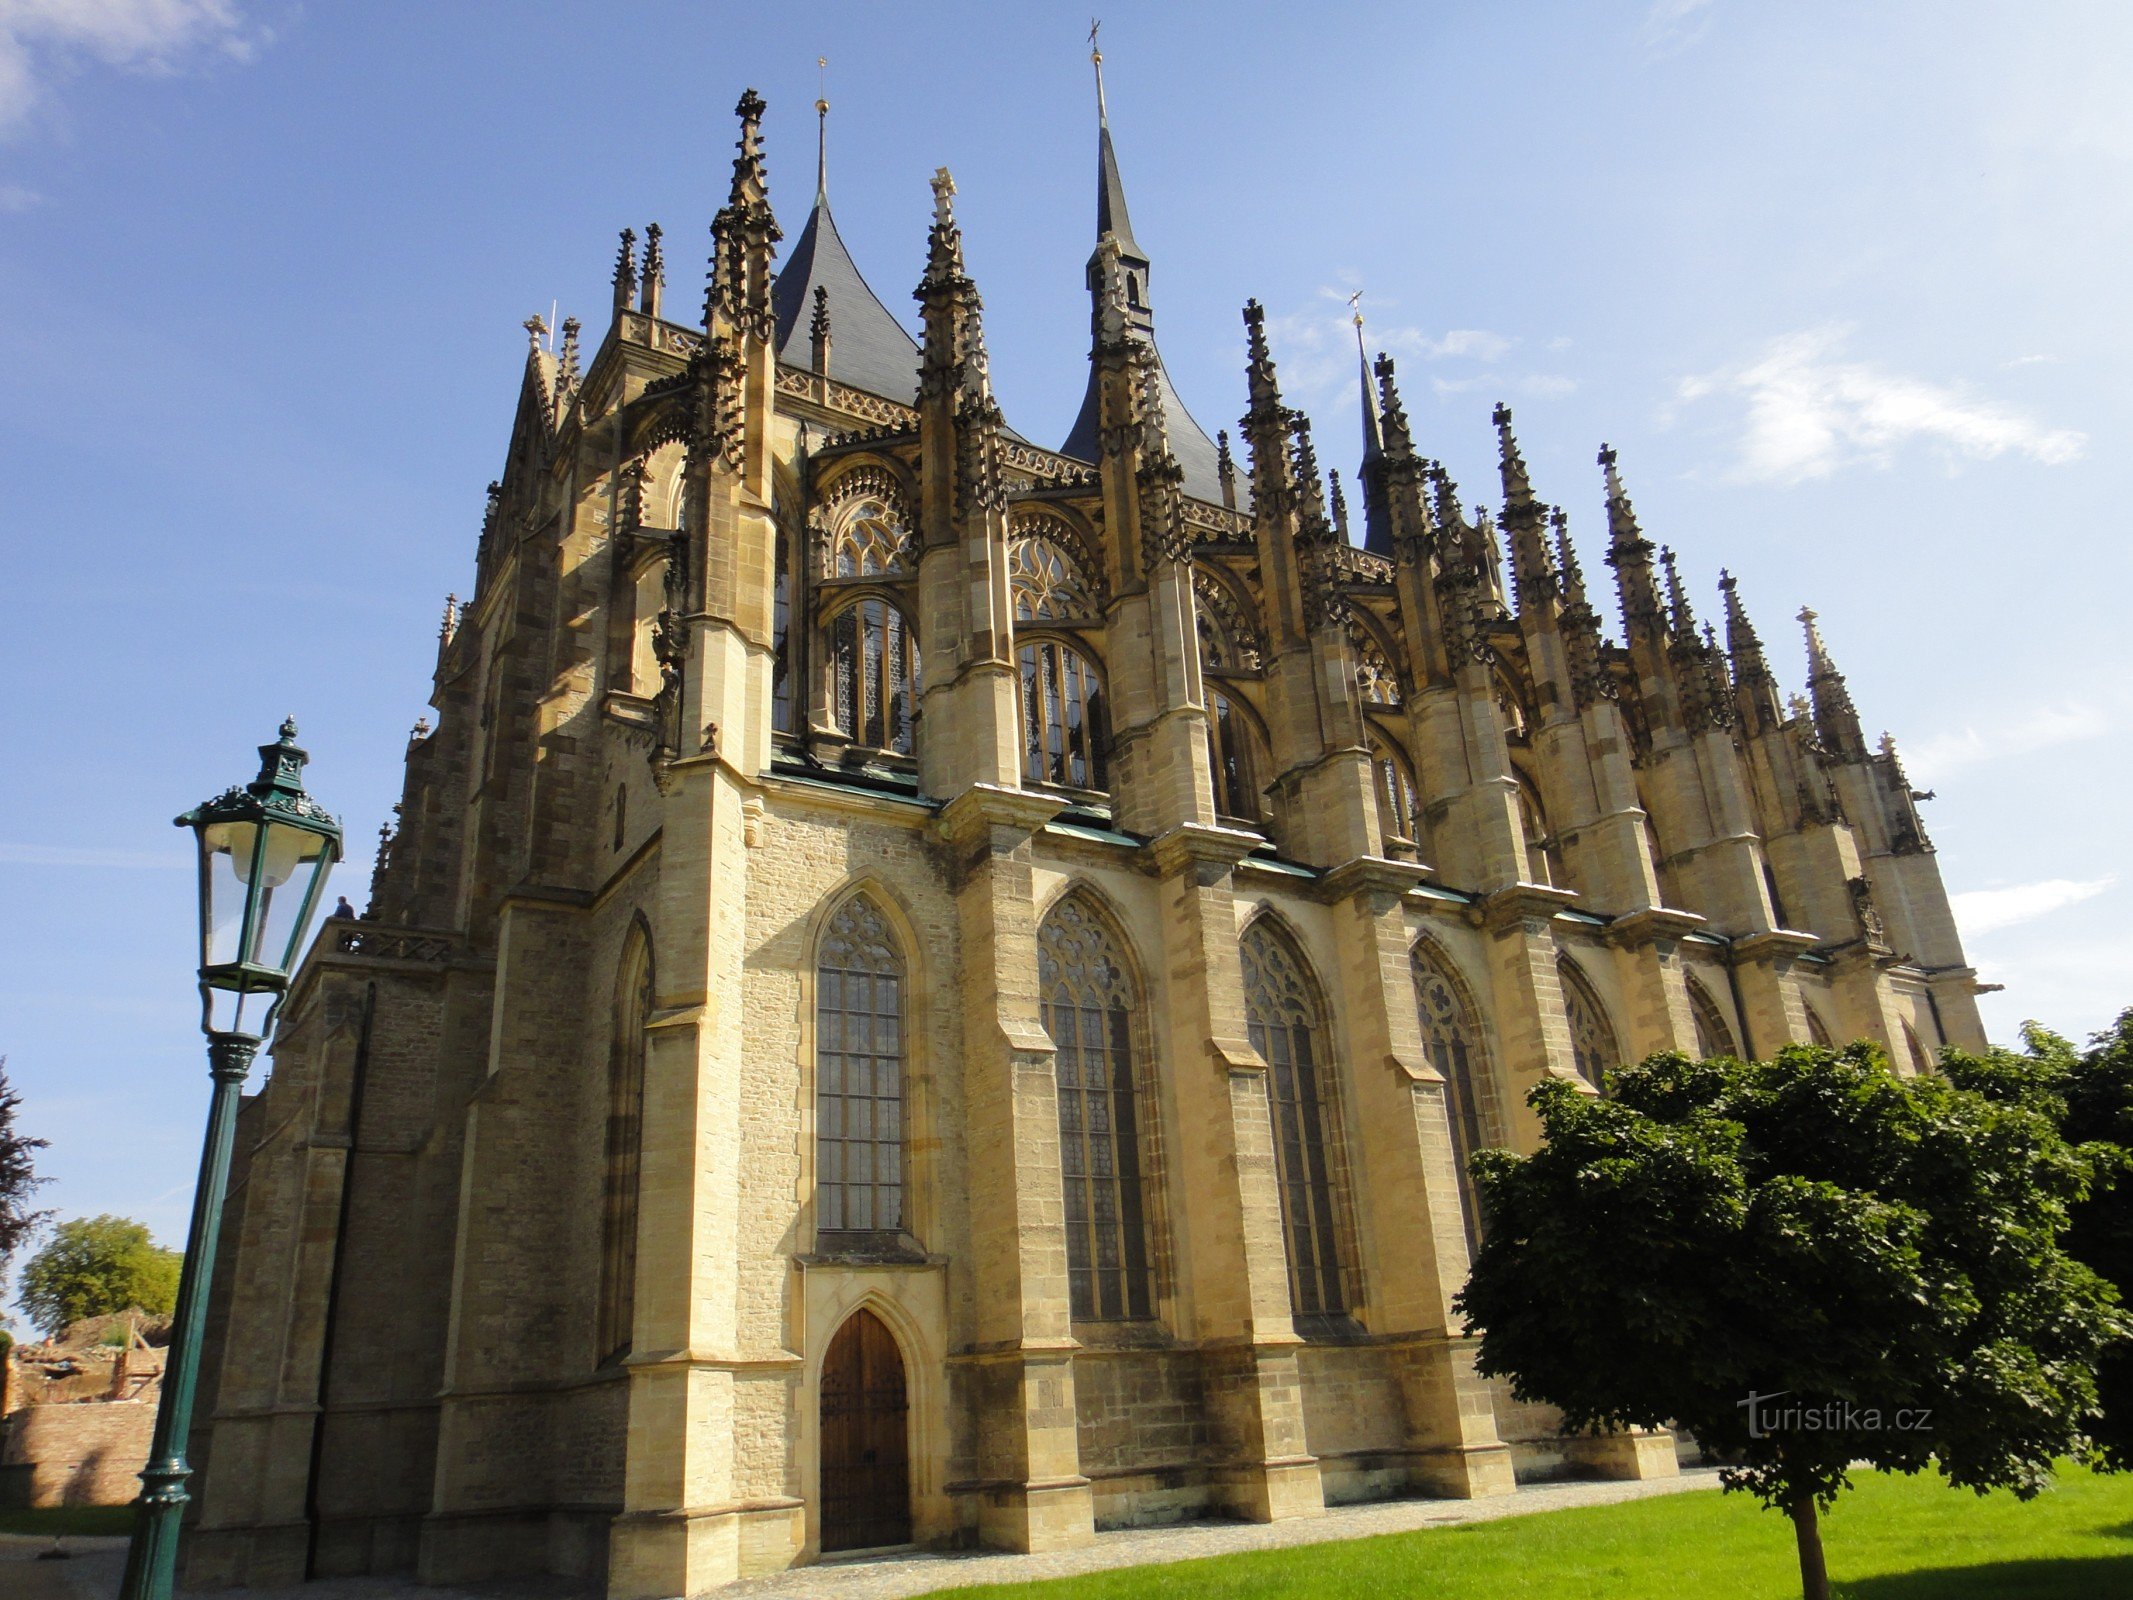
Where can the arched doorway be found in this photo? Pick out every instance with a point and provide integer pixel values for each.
(866, 1479)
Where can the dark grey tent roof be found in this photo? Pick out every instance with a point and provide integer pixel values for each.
(1188, 441)
(869, 348)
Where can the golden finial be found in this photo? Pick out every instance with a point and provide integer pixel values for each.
(1096, 60)
(822, 114)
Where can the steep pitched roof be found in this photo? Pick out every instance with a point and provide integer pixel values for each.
(869, 348)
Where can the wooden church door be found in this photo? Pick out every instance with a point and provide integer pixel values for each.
(866, 1480)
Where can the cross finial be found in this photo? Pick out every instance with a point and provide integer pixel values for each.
(943, 206)
(822, 118)
(1096, 60)
(536, 327)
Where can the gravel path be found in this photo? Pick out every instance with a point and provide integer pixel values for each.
(97, 1564)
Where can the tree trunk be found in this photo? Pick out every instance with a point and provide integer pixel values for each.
(1807, 1532)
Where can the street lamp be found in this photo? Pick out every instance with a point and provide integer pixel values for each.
(265, 850)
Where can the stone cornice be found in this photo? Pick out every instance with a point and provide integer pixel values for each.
(985, 806)
(1196, 845)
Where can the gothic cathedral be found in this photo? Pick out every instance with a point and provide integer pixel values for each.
(927, 989)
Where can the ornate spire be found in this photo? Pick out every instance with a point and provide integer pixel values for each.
(1340, 504)
(1754, 687)
(818, 331)
(1377, 513)
(1630, 554)
(654, 277)
(1532, 572)
(1580, 623)
(1682, 619)
(1226, 469)
(743, 233)
(566, 367)
(1312, 526)
(1110, 190)
(1399, 443)
(1265, 423)
(626, 271)
(1836, 719)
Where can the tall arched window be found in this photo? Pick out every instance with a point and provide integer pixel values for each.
(781, 674)
(859, 1080)
(1231, 748)
(1592, 1036)
(1399, 808)
(1286, 1024)
(1064, 734)
(1713, 1037)
(625, 1147)
(875, 654)
(1452, 1041)
(1088, 1010)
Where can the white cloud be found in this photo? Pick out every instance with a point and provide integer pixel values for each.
(1934, 758)
(39, 38)
(2030, 361)
(46, 855)
(1807, 413)
(14, 197)
(1676, 24)
(1981, 911)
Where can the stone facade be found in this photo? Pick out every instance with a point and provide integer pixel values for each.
(1074, 908)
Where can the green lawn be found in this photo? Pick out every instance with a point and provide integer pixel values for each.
(1890, 1538)
(69, 1519)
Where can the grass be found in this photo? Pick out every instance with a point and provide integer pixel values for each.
(1889, 1538)
(78, 1520)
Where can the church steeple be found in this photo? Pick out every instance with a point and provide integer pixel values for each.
(1377, 510)
(1195, 452)
(873, 351)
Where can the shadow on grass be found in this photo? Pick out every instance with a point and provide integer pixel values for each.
(2068, 1578)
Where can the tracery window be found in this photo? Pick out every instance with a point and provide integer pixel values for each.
(1713, 1037)
(1227, 637)
(1231, 756)
(625, 1148)
(1592, 1036)
(1286, 1026)
(869, 540)
(1047, 583)
(874, 653)
(1064, 731)
(1088, 1010)
(1452, 1041)
(859, 1078)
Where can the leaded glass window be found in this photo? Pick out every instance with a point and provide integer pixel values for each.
(1063, 726)
(1713, 1037)
(859, 1078)
(1088, 1010)
(1286, 1025)
(875, 653)
(781, 719)
(1592, 1037)
(1230, 750)
(1399, 808)
(1452, 1042)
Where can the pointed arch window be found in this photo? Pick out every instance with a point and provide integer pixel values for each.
(1542, 859)
(1399, 807)
(1064, 731)
(1817, 1030)
(1592, 1036)
(874, 651)
(1713, 1037)
(1232, 756)
(1088, 1010)
(781, 673)
(859, 1081)
(1287, 1028)
(625, 1148)
(1452, 1040)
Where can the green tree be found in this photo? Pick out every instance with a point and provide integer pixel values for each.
(1807, 1263)
(94, 1266)
(2089, 1094)
(18, 1175)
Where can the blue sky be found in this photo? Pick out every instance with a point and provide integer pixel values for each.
(1845, 285)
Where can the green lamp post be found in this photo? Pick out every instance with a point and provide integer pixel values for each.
(265, 850)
